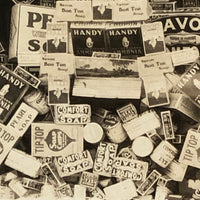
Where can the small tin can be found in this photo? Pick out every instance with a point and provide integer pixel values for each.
(142, 146)
(37, 100)
(164, 153)
(93, 133)
(114, 129)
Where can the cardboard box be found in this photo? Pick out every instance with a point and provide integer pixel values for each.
(12, 89)
(31, 20)
(48, 139)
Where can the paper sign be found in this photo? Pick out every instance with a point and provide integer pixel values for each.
(57, 37)
(156, 90)
(155, 63)
(184, 56)
(74, 10)
(153, 38)
(58, 88)
(136, 10)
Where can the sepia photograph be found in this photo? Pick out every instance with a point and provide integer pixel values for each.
(99, 100)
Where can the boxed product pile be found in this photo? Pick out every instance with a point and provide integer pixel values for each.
(100, 100)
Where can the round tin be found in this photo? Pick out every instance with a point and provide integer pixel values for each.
(37, 100)
(113, 128)
(142, 146)
(163, 154)
(93, 133)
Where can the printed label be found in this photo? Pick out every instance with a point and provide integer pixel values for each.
(48, 3)
(27, 77)
(89, 180)
(189, 83)
(163, 6)
(148, 182)
(49, 63)
(12, 89)
(7, 140)
(49, 139)
(105, 155)
(33, 21)
(74, 10)
(106, 55)
(58, 88)
(87, 38)
(191, 149)
(73, 163)
(156, 90)
(160, 63)
(164, 153)
(72, 114)
(129, 10)
(104, 67)
(52, 174)
(57, 37)
(127, 113)
(135, 127)
(22, 119)
(129, 38)
(64, 191)
(129, 169)
(153, 38)
(167, 125)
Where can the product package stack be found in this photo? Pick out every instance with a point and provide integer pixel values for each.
(100, 100)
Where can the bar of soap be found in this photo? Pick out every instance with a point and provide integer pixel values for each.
(121, 191)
